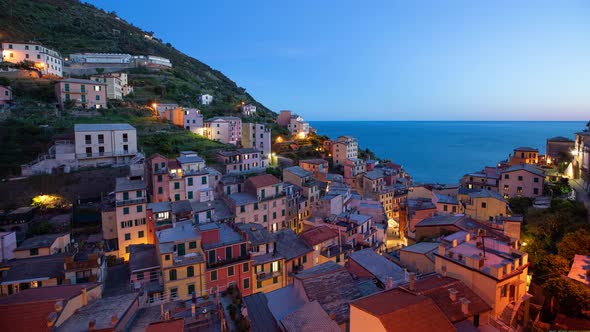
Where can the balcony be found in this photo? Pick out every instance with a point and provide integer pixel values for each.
(164, 222)
(260, 276)
(124, 202)
(224, 262)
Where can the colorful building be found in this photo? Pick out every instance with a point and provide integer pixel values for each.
(83, 93)
(46, 60)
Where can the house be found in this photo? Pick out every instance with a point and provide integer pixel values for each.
(258, 313)
(367, 263)
(434, 227)
(83, 93)
(47, 308)
(524, 155)
(298, 254)
(7, 246)
(257, 136)
(446, 204)
(397, 310)
(117, 85)
(581, 153)
(419, 258)
(580, 271)
(20, 274)
(245, 160)
(353, 167)
(193, 121)
(151, 61)
(284, 118)
(47, 61)
(325, 242)
(225, 129)
(5, 95)
(101, 58)
(303, 179)
(483, 205)
(43, 245)
(163, 107)
(86, 265)
(205, 99)
(130, 203)
(522, 180)
(182, 262)
(174, 115)
(558, 148)
(488, 178)
(248, 110)
(490, 267)
(296, 125)
(343, 148)
(319, 167)
(144, 266)
(103, 144)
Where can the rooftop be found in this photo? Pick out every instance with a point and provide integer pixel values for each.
(223, 118)
(189, 158)
(40, 241)
(525, 167)
(102, 126)
(265, 180)
(298, 171)
(243, 198)
(580, 270)
(290, 245)
(159, 207)
(440, 220)
(80, 81)
(226, 236)
(559, 139)
(526, 148)
(124, 184)
(484, 193)
(47, 293)
(182, 206)
(37, 268)
(446, 199)
(314, 161)
(257, 233)
(379, 266)
(182, 231)
(143, 257)
(421, 247)
(310, 317)
(173, 325)
(260, 316)
(318, 235)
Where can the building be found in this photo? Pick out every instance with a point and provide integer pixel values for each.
(47, 308)
(524, 155)
(5, 95)
(130, 204)
(580, 271)
(489, 267)
(248, 160)
(86, 94)
(151, 61)
(117, 84)
(522, 180)
(419, 258)
(193, 121)
(484, 205)
(581, 153)
(43, 245)
(248, 110)
(366, 263)
(205, 99)
(86, 265)
(225, 129)
(304, 179)
(20, 274)
(488, 178)
(47, 61)
(319, 167)
(346, 147)
(257, 136)
(435, 226)
(7, 246)
(325, 242)
(298, 254)
(558, 148)
(102, 144)
(162, 107)
(353, 167)
(101, 58)
(182, 262)
(446, 204)
(296, 125)
(174, 115)
(144, 266)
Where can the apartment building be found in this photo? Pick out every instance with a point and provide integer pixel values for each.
(193, 121)
(247, 160)
(46, 60)
(257, 136)
(130, 204)
(108, 143)
(86, 94)
(225, 129)
(43, 245)
(304, 179)
(343, 148)
(522, 180)
(117, 84)
(524, 155)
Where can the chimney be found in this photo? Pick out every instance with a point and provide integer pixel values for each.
(453, 294)
(412, 279)
(454, 243)
(465, 305)
(84, 297)
(467, 237)
(91, 325)
(390, 283)
(193, 310)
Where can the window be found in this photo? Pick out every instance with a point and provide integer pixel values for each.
(264, 218)
(127, 249)
(484, 205)
(173, 275)
(246, 283)
(160, 190)
(176, 185)
(304, 259)
(140, 234)
(213, 275)
(27, 55)
(230, 271)
(191, 289)
(190, 271)
(174, 292)
(177, 197)
(245, 267)
(190, 181)
(167, 257)
(88, 139)
(275, 266)
(192, 245)
(228, 253)
(89, 152)
(159, 178)
(125, 210)
(506, 187)
(211, 256)
(274, 215)
(283, 212)
(520, 178)
(506, 176)
(454, 209)
(262, 193)
(536, 191)
(140, 276)
(138, 193)
(97, 88)
(97, 97)
(204, 180)
(139, 208)
(190, 195)
(445, 208)
(536, 180)
(258, 284)
(242, 208)
(255, 206)
(82, 88)
(504, 291)
(519, 189)
(275, 280)
(126, 138)
(101, 150)
(34, 252)
(127, 236)
(66, 87)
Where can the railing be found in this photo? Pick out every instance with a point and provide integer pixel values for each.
(267, 275)
(228, 261)
(163, 222)
(104, 154)
(130, 201)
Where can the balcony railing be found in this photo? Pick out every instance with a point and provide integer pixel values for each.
(233, 260)
(163, 222)
(267, 275)
(130, 201)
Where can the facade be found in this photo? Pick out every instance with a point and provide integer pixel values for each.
(304, 179)
(353, 167)
(419, 258)
(484, 205)
(43, 245)
(86, 266)
(226, 129)
(522, 181)
(557, 148)
(144, 266)
(130, 204)
(193, 121)
(117, 84)
(46, 60)
(319, 167)
(344, 148)
(105, 143)
(5, 95)
(325, 242)
(242, 161)
(257, 136)
(205, 99)
(113, 58)
(581, 152)
(524, 155)
(248, 110)
(85, 93)
(488, 178)
(284, 118)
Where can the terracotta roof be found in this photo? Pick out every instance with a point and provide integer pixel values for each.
(580, 270)
(166, 326)
(438, 288)
(263, 180)
(318, 235)
(401, 311)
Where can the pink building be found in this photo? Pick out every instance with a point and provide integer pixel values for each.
(225, 129)
(241, 161)
(5, 95)
(522, 181)
(284, 118)
(85, 93)
(352, 168)
(144, 265)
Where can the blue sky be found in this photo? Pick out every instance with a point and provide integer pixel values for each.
(388, 60)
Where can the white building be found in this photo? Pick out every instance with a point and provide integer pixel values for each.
(346, 147)
(115, 58)
(226, 129)
(298, 127)
(117, 84)
(7, 245)
(248, 110)
(205, 99)
(48, 61)
(152, 61)
(109, 143)
(193, 120)
(257, 136)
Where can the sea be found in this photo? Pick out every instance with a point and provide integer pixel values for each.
(443, 151)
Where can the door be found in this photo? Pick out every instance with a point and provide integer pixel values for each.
(181, 250)
(512, 291)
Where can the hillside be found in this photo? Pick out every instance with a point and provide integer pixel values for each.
(70, 26)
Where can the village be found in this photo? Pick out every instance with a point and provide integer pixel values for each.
(250, 238)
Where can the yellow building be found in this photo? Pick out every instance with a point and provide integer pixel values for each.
(268, 272)
(130, 205)
(181, 261)
(484, 205)
(491, 268)
(43, 245)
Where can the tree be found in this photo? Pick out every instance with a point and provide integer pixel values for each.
(574, 243)
(572, 297)
(520, 205)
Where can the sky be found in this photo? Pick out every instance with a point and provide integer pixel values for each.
(388, 60)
